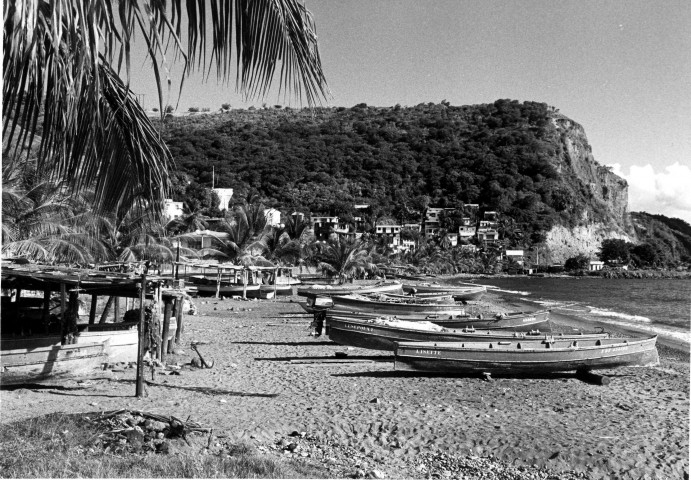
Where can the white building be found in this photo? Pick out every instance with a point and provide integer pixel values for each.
(224, 195)
(171, 209)
(273, 217)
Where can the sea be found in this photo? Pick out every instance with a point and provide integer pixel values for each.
(660, 306)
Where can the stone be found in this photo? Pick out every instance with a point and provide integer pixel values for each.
(375, 400)
(376, 474)
(155, 425)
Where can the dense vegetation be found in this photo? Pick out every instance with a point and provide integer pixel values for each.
(504, 156)
(670, 238)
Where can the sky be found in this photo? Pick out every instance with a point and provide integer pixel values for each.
(622, 69)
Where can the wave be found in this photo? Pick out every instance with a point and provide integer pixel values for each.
(501, 290)
(603, 312)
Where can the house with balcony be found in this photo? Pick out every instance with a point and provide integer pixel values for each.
(391, 231)
(324, 225)
(224, 195)
(172, 210)
(488, 228)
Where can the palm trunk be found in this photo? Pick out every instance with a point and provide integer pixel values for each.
(106, 310)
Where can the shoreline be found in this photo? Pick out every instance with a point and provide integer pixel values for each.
(566, 319)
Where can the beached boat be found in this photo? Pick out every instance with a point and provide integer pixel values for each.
(423, 298)
(382, 333)
(26, 365)
(360, 303)
(122, 339)
(519, 356)
(229, 286)
(516, 321)
(464, 293)
(331, 290)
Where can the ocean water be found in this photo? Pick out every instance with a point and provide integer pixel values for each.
(661, 306)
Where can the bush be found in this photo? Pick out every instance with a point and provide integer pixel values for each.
(225, 106)
(579, 262)
(193, 109)
(169, 109)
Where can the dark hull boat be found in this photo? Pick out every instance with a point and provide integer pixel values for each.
(526, 357)
(382, 334)
(514, 321)
(328, 290)
(359, 303)
(463, 293)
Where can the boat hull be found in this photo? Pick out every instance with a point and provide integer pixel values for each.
(459, 293)
(519, 321)
(281, 289)
(381, 336)
(51, 362)
(251, 290)
(394, 308)
(521, 357)
(307, 291)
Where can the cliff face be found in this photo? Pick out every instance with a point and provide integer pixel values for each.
(606, 214)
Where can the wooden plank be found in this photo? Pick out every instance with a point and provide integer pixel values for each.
(139, 389)
(329, 361)
(167, 310)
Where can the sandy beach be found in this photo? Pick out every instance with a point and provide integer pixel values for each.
(357, 415)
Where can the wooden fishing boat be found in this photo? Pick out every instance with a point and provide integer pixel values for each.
(329, 290)
(519, 356)
(360, 303)
(122, 338)
(227, 287)
(383, 333)
(26, 365)
(423, 298)
(464, 293)
(516, 321)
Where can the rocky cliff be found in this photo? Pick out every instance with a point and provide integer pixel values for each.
(606, 213)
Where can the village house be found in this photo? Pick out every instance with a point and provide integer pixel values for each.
(171, 209)
(224, 195)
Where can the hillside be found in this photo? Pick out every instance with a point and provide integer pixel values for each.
(525, 160)
(670, 236)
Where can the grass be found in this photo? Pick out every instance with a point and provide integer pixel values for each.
(62, 446)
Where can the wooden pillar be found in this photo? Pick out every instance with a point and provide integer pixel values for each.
(17, 294)
(167, 310)
(63, 324)
(106, 309)
(116, 310)
(218, 283)
(92, 311)
(275, 281)
(157, 313)
(178, 318)
(45, 317)
(244, 283)
(139, 391)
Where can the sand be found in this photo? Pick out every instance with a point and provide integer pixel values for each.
(270, 379)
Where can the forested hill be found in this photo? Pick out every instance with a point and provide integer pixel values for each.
(525, 160)
(671, 236)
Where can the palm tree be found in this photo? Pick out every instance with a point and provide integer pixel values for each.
(66, 66)
(344, 257)
(247, 235)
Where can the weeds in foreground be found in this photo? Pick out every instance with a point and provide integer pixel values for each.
(62, 446)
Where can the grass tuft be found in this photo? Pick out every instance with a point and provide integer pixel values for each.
(59, 445)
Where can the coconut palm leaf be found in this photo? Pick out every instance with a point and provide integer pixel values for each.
(62, 66)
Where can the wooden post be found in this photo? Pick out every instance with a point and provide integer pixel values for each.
(244, 283)
(275, 282)
(167, 310)
(139, 392)
(218, 283)
(92, 311)
(178, 318)
(45, 317)
(63, 326)
(157, 312)
(116, 310)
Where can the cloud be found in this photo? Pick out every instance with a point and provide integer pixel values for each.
(667, 192)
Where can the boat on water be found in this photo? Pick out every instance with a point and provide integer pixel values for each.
(331, 290)
(382, 333)
(26, 365)
(463, 293)
(361, 303)
(525, 357)
(517, 321)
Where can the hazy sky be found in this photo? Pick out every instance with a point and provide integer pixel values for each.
(620, 68)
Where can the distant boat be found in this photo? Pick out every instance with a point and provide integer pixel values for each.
(465, 292)
(517, 321)
(331, 290)
(421, 298)
(26, 365)
(229, 287)
(518, 356)
(383, 333)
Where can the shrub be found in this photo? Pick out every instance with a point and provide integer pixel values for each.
(579, 262)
